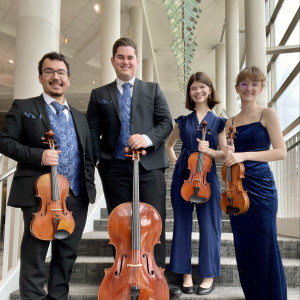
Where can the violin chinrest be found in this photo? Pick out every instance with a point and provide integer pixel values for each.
(232, 210)
(61, 234)
(197, 200)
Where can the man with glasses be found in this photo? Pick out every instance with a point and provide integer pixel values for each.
(20, 139)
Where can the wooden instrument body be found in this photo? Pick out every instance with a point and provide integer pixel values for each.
(196, 189)
(234, 191)
(117, 281)
(234, 200)
(134, 229)
(43, 224)
(52, 220)
(197, 179)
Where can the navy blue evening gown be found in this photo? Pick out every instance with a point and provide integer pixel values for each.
(255, 234)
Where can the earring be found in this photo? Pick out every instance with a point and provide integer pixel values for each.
(209, 96)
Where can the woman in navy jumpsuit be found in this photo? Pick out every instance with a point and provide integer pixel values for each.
(201, 97)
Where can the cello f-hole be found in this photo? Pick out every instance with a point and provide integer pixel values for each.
(121, 265)
(148, 268)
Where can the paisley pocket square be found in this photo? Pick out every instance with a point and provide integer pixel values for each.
(31, 116)
(103, 101)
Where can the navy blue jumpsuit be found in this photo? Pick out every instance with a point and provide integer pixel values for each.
(209, 214)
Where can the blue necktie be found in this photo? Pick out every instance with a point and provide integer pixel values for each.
(60, 110)
(126, 93)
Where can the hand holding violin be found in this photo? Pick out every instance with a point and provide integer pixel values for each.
(232, 157)
(50, 157)
(203, 146)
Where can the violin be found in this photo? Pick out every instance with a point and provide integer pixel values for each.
(52, 220)
(196, 189)
(234, 200)
(134, 228)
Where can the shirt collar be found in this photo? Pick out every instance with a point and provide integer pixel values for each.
(49, 100)
(121, 82)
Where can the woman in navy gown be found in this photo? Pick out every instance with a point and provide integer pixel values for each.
(201, 97)
(255, 235)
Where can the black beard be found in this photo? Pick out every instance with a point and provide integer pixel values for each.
(55, 94)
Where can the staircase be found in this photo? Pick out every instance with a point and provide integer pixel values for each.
(95, 254)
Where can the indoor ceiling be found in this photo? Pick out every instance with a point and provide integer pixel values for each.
(80, 24)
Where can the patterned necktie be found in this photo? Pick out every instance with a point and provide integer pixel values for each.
(126, 92)
(60, 110)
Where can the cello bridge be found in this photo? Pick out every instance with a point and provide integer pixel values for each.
(137, 265)
(56, 208)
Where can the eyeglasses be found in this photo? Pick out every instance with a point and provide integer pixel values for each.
(60, 73)
(254, 85)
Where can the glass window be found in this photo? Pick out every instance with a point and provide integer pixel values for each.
(284, 17)
(294, 38)
(287, 106)
(285, 63)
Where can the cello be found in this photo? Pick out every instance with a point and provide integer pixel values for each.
(196, 189)
(52, 220)
(234, 200)
(134, 228)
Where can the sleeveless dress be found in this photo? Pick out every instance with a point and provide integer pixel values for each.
(209, 214)
(255, 234)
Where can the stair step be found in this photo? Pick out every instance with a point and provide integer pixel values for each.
(101, 225)
(97, 243)
(169, 212)
(84, 291)
(90, 269)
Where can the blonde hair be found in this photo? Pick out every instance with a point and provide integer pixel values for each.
(252, 73)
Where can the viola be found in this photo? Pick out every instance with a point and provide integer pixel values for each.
(134, 228)
(52, 220)
(196, 189)
(234, 200)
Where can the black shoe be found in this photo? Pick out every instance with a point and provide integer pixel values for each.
(188, 289)
(205, 291)
(174, 291)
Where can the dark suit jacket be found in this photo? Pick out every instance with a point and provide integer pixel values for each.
(20, 139)
(150, 115)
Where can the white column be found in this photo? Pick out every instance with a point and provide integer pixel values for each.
(136, 34)
(110, 32)
(38, 32)
(221, 76)
(255, 40)
(148, 70)
(232, 55)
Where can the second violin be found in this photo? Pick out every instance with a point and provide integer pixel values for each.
(234, 200)
(196, 189)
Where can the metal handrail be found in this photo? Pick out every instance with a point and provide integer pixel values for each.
(7, 173)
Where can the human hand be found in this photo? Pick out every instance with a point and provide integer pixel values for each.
(228, 150)
(203, 146)
(50, 157)
(137, 141)
(234, 158)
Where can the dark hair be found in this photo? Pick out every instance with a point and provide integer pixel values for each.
(124, 42)
(203, 78)
(53, 55)
(253, 73)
